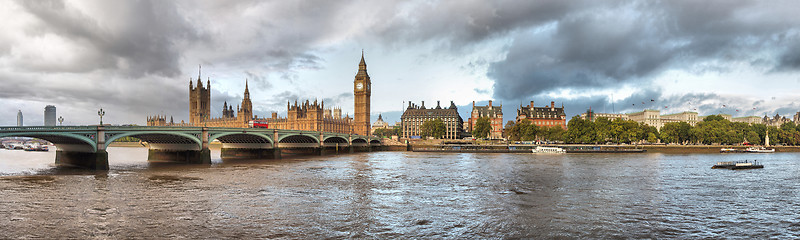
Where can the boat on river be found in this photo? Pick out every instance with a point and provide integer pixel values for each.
(738, 165)
(759, 150)
(541, 149)
(35, 147)
(729, 150)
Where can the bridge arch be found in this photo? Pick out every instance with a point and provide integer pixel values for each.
(159, 137)
(375, 141)
(298, 138)
(334, 139)
(245, 137)
(359, 140)
(60, 139)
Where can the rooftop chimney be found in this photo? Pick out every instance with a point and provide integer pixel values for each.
(423, 104)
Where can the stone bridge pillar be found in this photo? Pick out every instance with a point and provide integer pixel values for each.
(276, 150)
(205, 153)
(350, 140)
(321, 144)
(83, 157)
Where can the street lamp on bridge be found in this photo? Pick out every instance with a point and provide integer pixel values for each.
(101, 113)
(61, 120)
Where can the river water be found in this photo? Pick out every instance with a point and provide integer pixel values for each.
(403, 195)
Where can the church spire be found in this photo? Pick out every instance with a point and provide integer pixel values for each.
(199, 83)
(362, 67)
(363, 64)
(246, 89)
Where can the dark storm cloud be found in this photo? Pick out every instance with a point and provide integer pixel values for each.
(464, 23)
(146, 42)
(134, 55)
(628, 43)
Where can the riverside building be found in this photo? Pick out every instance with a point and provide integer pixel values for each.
(414, 116)
(543, 116)
(493, 113)
(592, 116)
(379, 124)
(309, 116)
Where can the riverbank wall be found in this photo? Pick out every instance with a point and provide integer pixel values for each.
(517, 148)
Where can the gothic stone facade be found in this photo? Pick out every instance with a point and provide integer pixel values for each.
(362, 89)
(311, 117)
(305, 116)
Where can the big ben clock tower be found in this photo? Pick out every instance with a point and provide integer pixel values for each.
(362, 91)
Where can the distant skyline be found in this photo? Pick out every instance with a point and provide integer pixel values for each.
(135, 58)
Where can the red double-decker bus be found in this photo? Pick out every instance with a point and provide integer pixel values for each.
(259, 124)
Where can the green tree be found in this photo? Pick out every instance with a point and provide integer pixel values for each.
(528, 131)
(398, 130)
(509, 131)
(651, 137)
(433, 128)
(579, 131)
(713, 118)
(383, 132)
(482, 128)
(552, 133)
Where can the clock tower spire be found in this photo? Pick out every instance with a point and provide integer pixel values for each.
(362, 91)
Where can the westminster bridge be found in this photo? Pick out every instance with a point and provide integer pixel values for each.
(86, 146)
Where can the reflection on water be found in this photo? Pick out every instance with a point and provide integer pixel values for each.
(402, 195)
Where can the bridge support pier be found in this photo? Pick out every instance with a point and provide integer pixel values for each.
(249, 153)
(202, 156)
(97, 160)
(321, 151)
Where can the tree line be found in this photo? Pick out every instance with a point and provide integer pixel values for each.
(713, 129)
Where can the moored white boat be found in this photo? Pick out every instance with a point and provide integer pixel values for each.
(540, 149)
(759, 150)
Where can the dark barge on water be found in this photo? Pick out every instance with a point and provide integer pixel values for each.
(738, 165)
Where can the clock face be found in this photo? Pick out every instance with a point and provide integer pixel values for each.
(359, 86)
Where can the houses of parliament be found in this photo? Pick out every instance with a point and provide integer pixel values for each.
(309, 116)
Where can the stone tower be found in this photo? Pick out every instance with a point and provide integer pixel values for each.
(199, 101)
(362, 91)
(245, 113)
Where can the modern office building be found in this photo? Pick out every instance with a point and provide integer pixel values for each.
(50, 115)
(19, 119)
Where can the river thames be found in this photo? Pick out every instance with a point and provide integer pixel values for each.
(403, 195)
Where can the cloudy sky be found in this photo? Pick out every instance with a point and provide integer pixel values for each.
(135, 58)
